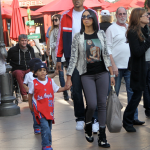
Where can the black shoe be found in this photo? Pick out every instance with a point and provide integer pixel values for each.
(129, 128)
(102, 142)
(147, 113)
(66, 97)
(88, 132)
(138, 122)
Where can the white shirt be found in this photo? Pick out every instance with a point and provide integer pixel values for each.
(76, 25)
(117, 46)
(29, 79)
(54, 85)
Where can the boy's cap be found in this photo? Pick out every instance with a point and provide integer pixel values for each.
(105, 12)
(39, 66)
(33, 61)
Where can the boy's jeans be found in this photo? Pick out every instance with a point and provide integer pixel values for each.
(35, 124)
(46, 126)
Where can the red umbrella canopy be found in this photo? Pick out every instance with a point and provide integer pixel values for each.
(122, 3)
(17, 26)
(137, 3)
(23, 10)
(60, 5)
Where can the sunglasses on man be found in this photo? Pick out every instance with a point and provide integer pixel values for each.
(88, 17)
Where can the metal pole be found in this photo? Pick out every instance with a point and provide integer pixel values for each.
(7, 107)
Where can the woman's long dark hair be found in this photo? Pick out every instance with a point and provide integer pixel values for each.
(95, 21)
(134, 22)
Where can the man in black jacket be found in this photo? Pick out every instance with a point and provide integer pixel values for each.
(19, 57)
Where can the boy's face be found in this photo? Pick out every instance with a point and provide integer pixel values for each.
(41, 74)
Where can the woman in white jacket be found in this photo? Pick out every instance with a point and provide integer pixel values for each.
(53, 40)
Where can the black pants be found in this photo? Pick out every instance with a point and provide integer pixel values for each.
(146, 94)
(128, 116)
(95, 89)
(79, 110)
(77, 96)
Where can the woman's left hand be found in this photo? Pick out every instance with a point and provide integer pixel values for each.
(112, 80)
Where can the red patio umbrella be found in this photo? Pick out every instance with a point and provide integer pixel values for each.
(122, 3)
(60, 5)
(17, 26)
(137, 3)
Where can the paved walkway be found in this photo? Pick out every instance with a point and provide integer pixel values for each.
(16, 132)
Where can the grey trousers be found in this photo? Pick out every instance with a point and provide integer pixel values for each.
(95, 89)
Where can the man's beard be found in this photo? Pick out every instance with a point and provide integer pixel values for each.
(122, 21)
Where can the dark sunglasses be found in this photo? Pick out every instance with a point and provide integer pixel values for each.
(88, 17)
(55, 20)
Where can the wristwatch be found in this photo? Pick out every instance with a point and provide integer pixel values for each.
(112, 76)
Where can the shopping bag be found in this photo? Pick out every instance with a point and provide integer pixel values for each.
(113, 121)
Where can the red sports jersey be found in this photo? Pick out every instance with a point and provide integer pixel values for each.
(43, 101)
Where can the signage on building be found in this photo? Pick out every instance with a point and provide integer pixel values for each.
(34, 36)
(25, 3)
(31, 3)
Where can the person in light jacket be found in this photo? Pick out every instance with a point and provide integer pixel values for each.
(90, 56)
(53, 39)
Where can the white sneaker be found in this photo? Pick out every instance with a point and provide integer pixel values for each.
(95, 126)
(80, 125)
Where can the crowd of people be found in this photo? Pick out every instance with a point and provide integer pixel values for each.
(95, 57)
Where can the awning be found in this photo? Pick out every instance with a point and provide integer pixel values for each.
(126, 4)
(23, 10)
(61, 5)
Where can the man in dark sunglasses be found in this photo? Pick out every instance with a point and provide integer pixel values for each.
(70, 25)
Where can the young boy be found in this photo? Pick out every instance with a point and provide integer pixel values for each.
(42, 90)
(29, 81)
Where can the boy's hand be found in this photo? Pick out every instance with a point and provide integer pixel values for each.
(56, 72)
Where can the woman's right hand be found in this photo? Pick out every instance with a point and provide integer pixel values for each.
(68, 83)
(112, 80)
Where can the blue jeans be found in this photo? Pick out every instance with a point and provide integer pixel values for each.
(146, 94)
(61, 76)
(35, 124)
(46, 127)
(126, 74)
